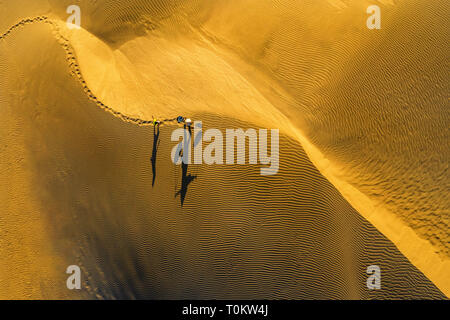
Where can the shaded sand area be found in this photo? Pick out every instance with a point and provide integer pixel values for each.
(78, 181)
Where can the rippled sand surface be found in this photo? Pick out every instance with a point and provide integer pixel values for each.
(363, 119)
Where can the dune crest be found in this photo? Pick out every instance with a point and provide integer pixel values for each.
(188, 63)
(206, 96)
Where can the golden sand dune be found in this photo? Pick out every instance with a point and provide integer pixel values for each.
(367, 106)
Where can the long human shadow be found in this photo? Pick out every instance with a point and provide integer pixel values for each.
(186, 178)
(156, 142)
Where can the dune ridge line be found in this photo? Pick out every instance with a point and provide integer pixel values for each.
(418, 250)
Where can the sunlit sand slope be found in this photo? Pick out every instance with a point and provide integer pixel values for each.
(368, 106)
(238, 234)
(32, 264)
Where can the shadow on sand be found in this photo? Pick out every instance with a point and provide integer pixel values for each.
(186, 178)
(156, 142)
